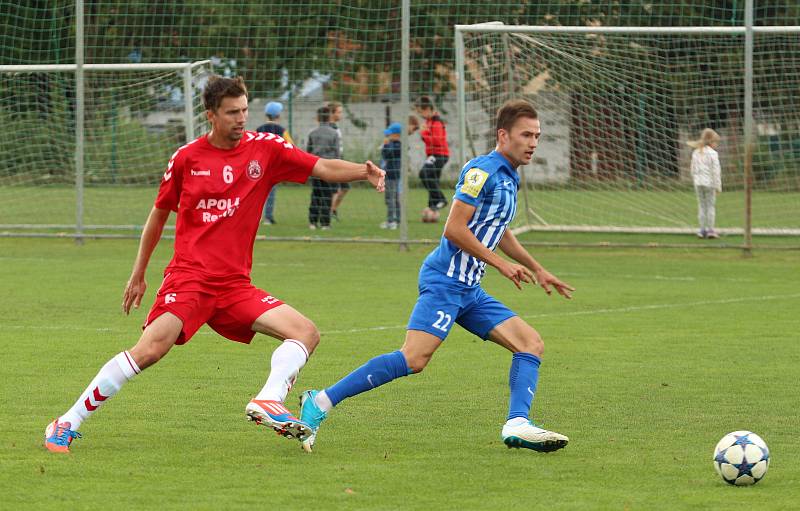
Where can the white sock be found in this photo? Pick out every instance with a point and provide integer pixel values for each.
(106, 384)
(287, 360)
(323, 401)
(516, 421)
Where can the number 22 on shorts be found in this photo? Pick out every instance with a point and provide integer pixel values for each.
(443, 321)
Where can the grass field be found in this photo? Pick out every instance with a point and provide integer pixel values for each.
(659, 355)
(364, 209)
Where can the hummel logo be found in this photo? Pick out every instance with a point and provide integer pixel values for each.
(167, 175)
(206, 172)
(529, 390)
(369, 379)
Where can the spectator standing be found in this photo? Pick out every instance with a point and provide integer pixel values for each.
(707, 178)
(391, 156)
(323, 140)
(340, 189)
(434, 135)
(273, 111)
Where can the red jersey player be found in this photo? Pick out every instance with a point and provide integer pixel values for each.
(217, 184)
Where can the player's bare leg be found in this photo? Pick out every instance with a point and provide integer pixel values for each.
(527, 346)
(336, 201)
(419, 348)
(157, 339)
(300, 337)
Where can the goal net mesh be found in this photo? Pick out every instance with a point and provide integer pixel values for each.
(134, 120)
(616, 112)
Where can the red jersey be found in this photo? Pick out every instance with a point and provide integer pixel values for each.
(435, 137)
(219, 195)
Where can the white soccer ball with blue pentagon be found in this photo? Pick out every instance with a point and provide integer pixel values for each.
(741, 458)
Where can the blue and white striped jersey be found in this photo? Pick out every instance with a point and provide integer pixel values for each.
(490, 183)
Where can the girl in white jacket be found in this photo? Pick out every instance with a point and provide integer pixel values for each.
(707, 177)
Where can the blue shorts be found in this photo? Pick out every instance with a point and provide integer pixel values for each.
(444, 301)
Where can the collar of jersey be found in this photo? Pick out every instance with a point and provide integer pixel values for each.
(505, 165)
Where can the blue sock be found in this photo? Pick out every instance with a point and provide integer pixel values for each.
(522, 379)
(381, 369)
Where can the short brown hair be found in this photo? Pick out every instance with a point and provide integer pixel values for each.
(512, 110)
(333, 105)
(324, 113)
(424, 102)
(219, 87)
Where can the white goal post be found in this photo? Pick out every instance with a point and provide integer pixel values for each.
(618, 105)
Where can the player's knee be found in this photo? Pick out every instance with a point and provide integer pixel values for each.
(417, 362)
(149, 351)
(145, 359)
(533, 344)
(308, 334)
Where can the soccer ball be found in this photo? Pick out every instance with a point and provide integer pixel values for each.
(430, 216)
(741, 458)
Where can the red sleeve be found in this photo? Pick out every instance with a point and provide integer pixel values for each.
(435, 137)
(438, 135)
(169, 193)
(290, 163)
(425, 134)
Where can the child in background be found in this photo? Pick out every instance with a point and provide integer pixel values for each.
(390, 154)
(273, 111)
(437, 152)
(707, 178)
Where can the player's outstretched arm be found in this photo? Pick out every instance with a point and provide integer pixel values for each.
(511, 247)
(456, 231)
(136, 286)
(341, 171)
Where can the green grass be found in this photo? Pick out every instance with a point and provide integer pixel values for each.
(660, 354)
(364, 209)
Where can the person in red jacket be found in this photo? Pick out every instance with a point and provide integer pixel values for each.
(434, 134)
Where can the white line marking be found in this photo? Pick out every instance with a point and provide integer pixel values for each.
(622, 310)
(635, 308)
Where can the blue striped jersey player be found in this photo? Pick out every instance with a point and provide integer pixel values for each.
(450, 293)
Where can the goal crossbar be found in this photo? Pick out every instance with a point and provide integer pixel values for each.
(155, 66)
(548, 29)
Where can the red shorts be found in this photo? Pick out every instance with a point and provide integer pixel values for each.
(229, 309)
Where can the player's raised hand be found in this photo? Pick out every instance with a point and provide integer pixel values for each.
(546, 279)
(516, 273)
(376, 176)
(134, 291)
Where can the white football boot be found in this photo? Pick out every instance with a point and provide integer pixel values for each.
(530, 436)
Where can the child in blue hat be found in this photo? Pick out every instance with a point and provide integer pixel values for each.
(391, 155)
(273, 111)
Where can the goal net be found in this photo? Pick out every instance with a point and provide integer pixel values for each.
(136, 115)
(617, 109)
